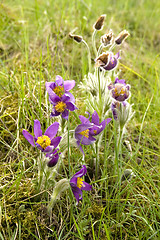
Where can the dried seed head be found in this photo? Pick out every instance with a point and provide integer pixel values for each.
(99, 23)
(76, 38)
(102, 60)
(121, 37)
(107, 38)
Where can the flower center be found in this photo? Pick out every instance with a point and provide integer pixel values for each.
(60, 106)
(118, 91)
(79, 182)
(85, 133)
(44, 141)
(59, 90)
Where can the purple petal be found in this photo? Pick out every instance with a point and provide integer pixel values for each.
(86, 186)
(37, 129)
(65, 98)
(69, 84)
(95, 118)
(79, 146)
(48, 149)
(84, 119)
(29, 137)
(55, 113)
(51, 131)
(117, 56)
(72, 98)
(83, 140)
(59, 80)
(50, 85)
(53, 159)
(55, 141)
(71, 106)
(122, 81)
(77, 192)
(80, 173)
(108, 120)
(65, 114)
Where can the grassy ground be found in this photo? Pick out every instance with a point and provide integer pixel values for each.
(34, 48)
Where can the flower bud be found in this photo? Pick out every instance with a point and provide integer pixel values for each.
(121, 37)
(60, 187)
(99, 23)
(107, 38)
(76, 38)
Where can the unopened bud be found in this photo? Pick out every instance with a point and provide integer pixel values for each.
(99, 23)
(60, 187)
(121, 37)
(76, 38)
(102, 60)
(107, 38)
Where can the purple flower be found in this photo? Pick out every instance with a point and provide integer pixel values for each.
(53, 157)
(60, 87)
(47, 142)
(119, 90)
(116, 108)
(77, 184)
(108, 61)
(113, 61)
(62, 106)
(84, 132)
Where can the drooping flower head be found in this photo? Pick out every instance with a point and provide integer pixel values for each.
(53, 157)
(62, 106)
(119, 90)
(60, 87)
(77, 184)
(85, 132)
(107, 61)
(47, 142)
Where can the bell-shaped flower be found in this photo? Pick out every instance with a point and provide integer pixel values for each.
(78, 185)
(60, 87)
(47, 142)
(107, 61)
(62, 106)
(53, 157)
(119, 90)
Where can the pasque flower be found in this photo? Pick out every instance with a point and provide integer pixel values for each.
(60, 87)
(85, 132)
(119, 90)
(53, 157)
(77, 184)
(107, 61)
(47, 142)
(62, 105)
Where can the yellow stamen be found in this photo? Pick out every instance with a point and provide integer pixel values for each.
(95, 131)
(79, 182)
(85, 133)
(119, 91)
(44, 141)
(59, 90)
(60, 106)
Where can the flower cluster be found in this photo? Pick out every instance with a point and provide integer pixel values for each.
(60, 97)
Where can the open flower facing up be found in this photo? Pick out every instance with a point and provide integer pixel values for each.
(62, 106)
(119, 90)
(107, 61)
(60, 87)
(47, 142)
(77, 184)
(84, 132)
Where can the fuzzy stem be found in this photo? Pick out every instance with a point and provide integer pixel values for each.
(94, 43)
(100, 49)
(89, 54)
(97, 160)
(68, 148)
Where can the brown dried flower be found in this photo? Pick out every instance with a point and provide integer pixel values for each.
(102, 60)
(77, 38)
(121, 37)
(99, 23)
(107, 38)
